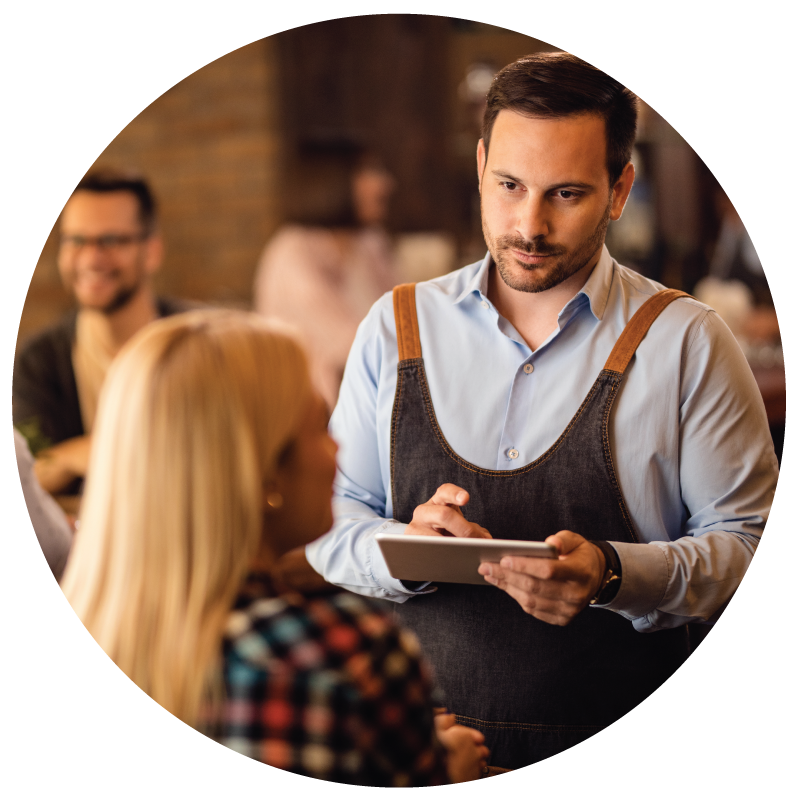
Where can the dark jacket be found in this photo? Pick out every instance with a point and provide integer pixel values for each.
(46, 408)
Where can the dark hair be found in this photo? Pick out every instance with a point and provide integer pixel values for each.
(105, 180)
(552, 85)
(320, 193)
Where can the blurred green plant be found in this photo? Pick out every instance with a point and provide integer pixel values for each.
(32, 432)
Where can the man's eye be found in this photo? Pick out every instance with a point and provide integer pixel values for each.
(509, 185)
(566, 194)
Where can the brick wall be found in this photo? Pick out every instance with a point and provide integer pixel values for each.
(210, 147)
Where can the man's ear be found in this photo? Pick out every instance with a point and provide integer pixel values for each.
(154, 253)
(621, 190)
(481, 161)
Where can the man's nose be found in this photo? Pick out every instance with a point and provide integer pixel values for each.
(92, 253)
(533, 221)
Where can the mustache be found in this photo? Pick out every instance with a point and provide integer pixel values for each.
(531, 248)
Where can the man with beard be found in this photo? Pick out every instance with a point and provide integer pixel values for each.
(549, 393)
(109, 250)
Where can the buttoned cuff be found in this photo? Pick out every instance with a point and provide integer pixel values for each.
(645, 574)
(379, 571)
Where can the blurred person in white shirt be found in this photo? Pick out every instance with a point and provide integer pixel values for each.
(324, 269)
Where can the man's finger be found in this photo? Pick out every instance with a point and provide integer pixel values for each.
(546, 569)
(504, 578)
(442, 517)
(448, 519)
(444, 721)
(450, 494)
(565, 541)
(552, 610)
(527, 600)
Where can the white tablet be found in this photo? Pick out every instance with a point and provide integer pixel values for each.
(450, 559)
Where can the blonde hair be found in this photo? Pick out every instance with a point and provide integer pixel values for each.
(194, 416)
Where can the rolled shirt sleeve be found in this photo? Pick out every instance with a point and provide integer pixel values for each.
(348, 555)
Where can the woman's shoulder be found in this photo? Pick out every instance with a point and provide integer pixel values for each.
(296, 240)
(296, 250)
(329, 687)
(311, 633)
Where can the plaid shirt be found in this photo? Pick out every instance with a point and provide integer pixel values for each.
(327, 687)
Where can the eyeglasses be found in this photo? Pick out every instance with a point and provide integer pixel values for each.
(108, 241)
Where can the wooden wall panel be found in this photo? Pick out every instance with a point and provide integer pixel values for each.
(381, 82)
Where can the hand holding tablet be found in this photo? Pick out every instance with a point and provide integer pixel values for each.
(449, 559)
(440, 545)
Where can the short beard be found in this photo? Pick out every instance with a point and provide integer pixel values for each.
(536, 280)
(121, 299)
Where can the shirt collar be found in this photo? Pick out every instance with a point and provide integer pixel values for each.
(478, 283)
(596, 290)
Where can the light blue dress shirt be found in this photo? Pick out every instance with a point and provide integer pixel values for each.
(689, 432)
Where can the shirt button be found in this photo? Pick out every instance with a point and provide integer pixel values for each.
(527, 369)
(484, 304)
(512, 453)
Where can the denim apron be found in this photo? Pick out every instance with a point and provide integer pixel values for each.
(532, 688)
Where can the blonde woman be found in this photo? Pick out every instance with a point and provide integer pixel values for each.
(211, 460)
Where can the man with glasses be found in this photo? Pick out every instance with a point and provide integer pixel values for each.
(109, 251)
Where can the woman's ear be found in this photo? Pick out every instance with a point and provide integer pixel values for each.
(276, 489)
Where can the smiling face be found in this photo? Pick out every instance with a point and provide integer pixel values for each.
(105, 257)
(545, 197)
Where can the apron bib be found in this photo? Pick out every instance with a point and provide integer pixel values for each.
(533, 689)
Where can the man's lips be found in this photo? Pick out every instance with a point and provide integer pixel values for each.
(531, 258)
(96, 277)
(95, 284)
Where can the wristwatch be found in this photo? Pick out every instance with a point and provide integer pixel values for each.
(612, 578)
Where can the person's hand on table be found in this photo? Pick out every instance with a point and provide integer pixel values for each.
(441, 516)
(552, 590)
(59, 465)
(466, 752)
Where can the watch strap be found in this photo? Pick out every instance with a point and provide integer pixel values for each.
(612, 578)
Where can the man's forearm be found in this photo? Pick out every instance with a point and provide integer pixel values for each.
(58, 466)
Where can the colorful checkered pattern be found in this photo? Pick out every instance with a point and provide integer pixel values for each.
(328, 687)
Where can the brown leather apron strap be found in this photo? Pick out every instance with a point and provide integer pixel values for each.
(405, 320)
(637, 328)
